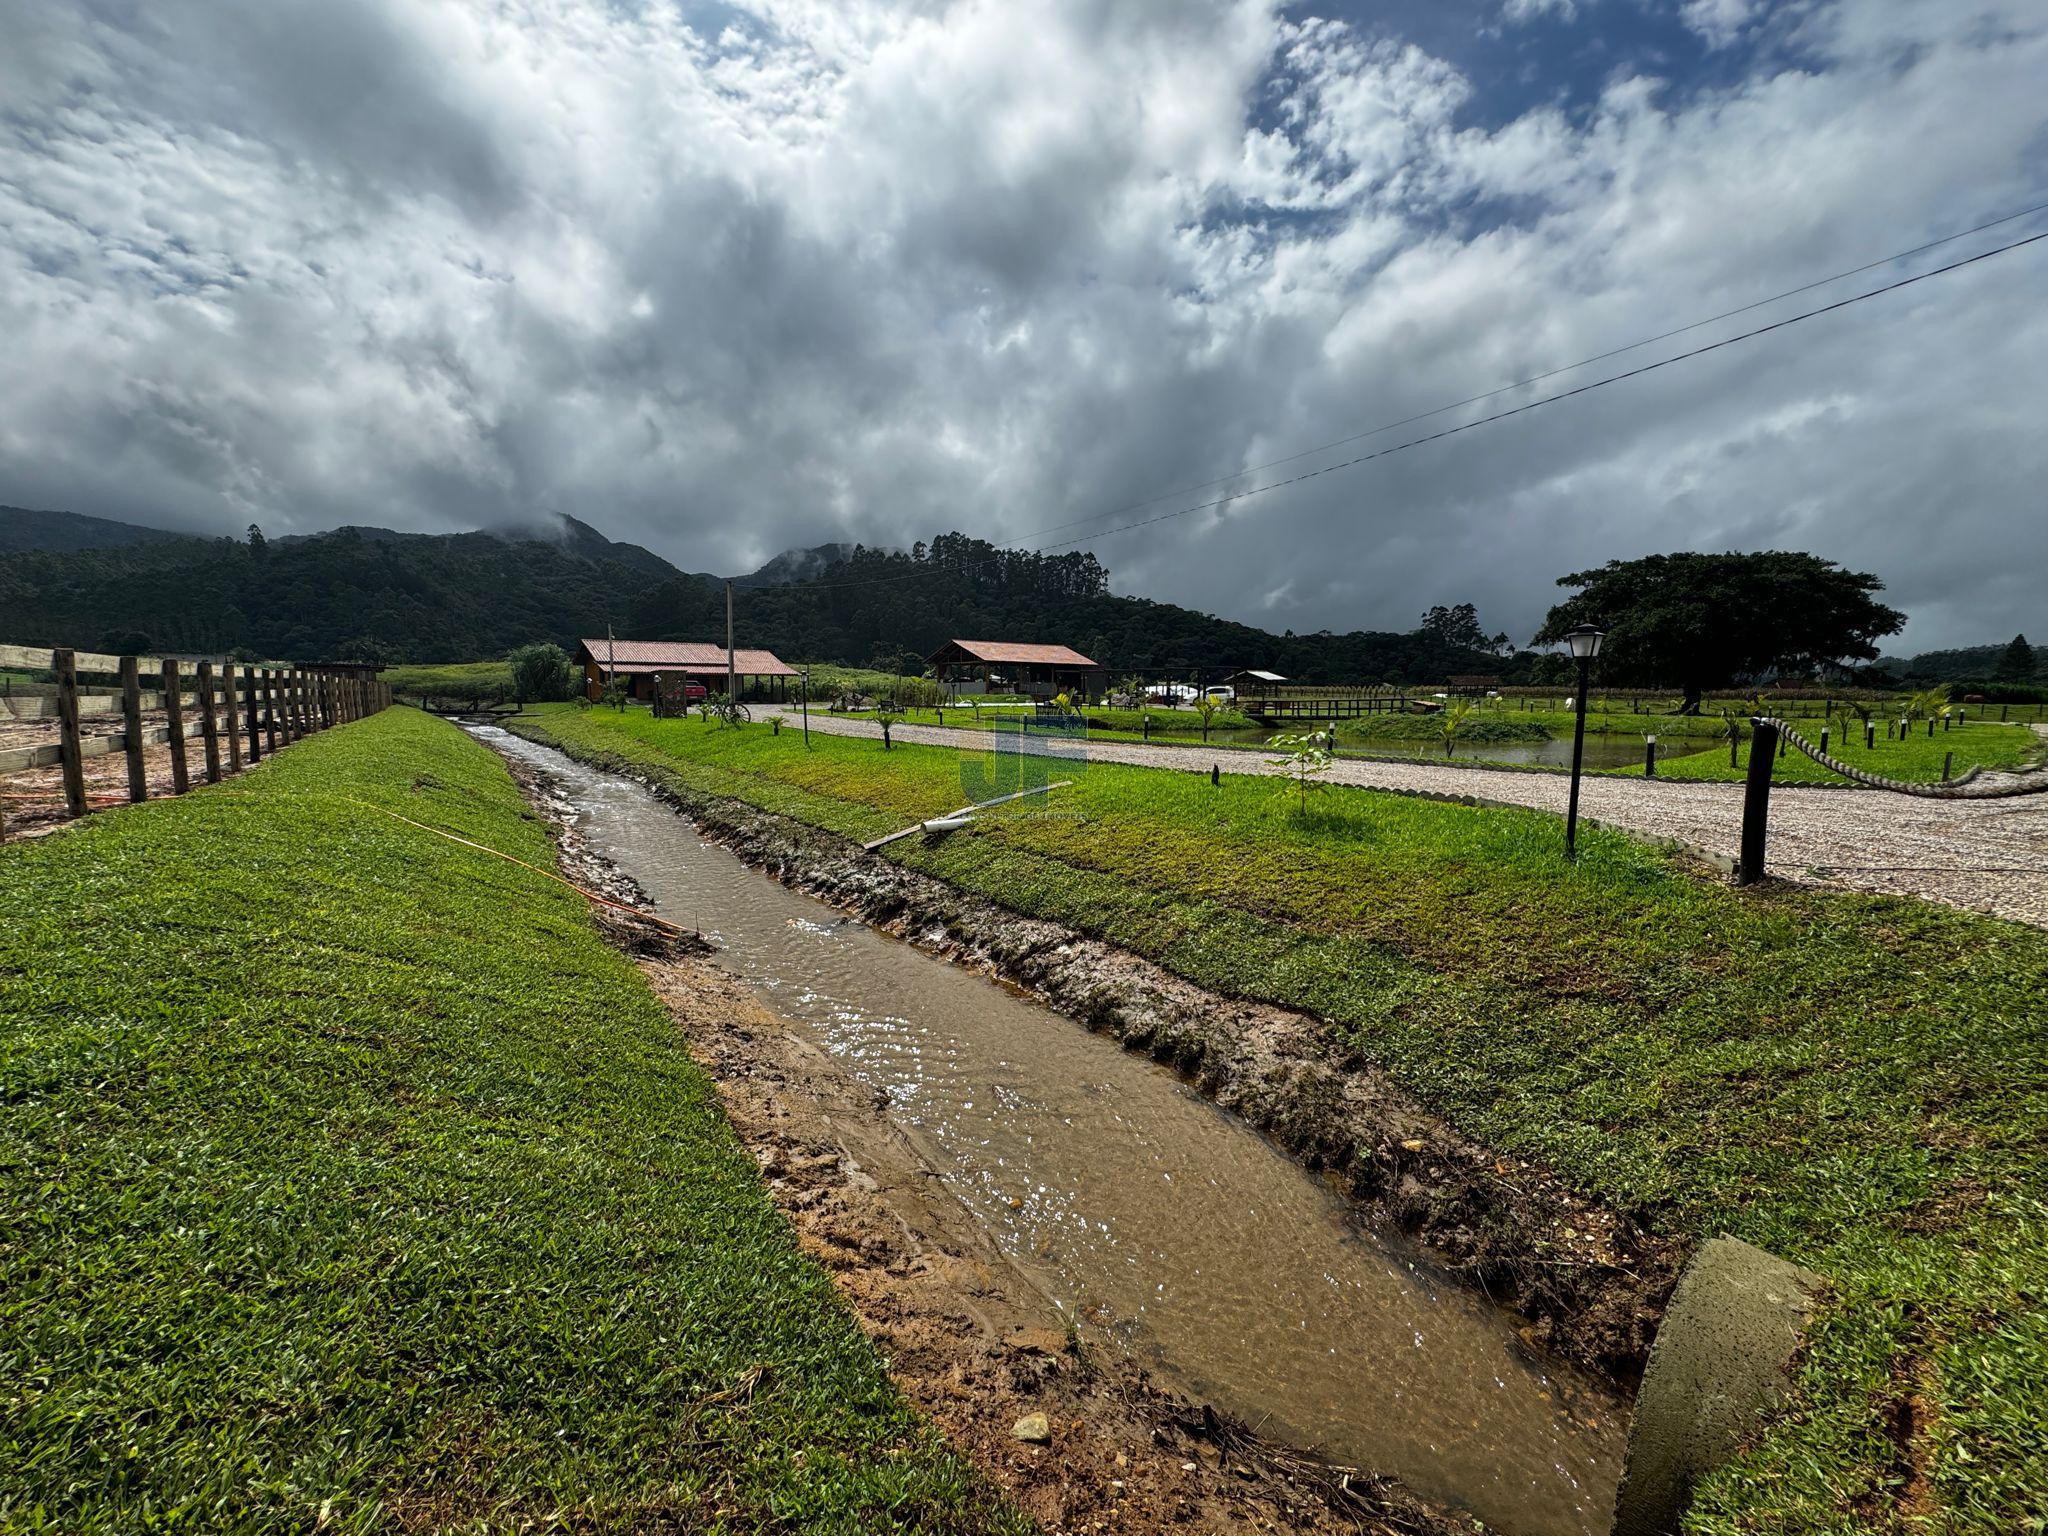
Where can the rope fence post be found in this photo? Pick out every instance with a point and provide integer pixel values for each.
(1756, 799)
(174, 718)
(71, 751)
(131, 729)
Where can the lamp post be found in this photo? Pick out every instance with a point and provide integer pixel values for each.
(804, 677)
(1585, 645)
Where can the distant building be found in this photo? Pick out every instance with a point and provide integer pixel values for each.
(1472, 682)
(762, 673)
(1253, 681)
(1004, 666)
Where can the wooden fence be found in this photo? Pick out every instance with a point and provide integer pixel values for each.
(231, 712)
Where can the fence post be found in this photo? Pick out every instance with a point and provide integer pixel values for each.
(270, 705)
(71, 751)
(174, 717)
(231, 716)
(1948, 766)
(209, 728)
(131, 729)
(249, 690)
(1756, 800)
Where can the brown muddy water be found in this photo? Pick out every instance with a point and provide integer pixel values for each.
(1152, 1220)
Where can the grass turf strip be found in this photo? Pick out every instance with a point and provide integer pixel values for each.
(349, 1180)
(1859, 1083)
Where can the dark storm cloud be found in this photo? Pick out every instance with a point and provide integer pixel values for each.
(727, 281)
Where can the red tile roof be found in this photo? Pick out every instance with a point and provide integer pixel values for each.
(1006, 650)
(682, 656)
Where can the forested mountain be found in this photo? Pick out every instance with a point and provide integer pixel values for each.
(22, 529)
(375, 594)
(355, 592)
(891, 609)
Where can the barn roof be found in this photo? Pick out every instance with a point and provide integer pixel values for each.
(681, 656)
(1016, 652)
(1264, 677)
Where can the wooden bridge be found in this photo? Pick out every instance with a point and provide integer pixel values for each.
(1305, 701)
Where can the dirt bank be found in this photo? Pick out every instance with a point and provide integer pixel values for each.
(1591, 1282)
(967, 1337)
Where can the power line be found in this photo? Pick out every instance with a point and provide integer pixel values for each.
(1632, 373)
(1504, 389)
(1551, 373)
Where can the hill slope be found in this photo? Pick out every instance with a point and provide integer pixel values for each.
(24, 529)
(377, 594)
(361, 592)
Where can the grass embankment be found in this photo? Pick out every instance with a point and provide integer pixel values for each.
(1858, 1083)
(489, 682)
(1478, 729)
(351, 1181)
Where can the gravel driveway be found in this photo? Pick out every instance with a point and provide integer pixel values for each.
(1980, 855)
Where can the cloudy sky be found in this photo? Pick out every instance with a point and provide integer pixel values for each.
(727, 278)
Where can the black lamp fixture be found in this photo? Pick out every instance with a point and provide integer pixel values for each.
(1584, 642)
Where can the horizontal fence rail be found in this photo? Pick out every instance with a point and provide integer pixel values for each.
(233, 712)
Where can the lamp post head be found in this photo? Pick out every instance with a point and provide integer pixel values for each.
(1585, 641)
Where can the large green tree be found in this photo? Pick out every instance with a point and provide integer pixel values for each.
(2016, 662)
(1696, 621)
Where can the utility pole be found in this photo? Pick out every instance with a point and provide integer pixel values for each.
(731, 693)
(611, 659)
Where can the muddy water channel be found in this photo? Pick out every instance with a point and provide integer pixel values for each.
(1152, 1220)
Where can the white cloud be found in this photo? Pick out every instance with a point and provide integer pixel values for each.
(851, 270)
(1529, 10)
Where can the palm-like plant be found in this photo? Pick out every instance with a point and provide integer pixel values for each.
(1928, 703)
(1450, 722)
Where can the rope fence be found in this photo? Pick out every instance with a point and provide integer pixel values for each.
(1767, 731)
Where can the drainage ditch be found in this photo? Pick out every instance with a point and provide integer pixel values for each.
(1155, 1223)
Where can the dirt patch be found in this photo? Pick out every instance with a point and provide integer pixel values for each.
(967, 1337)
(1591, 1282)
(32, 801)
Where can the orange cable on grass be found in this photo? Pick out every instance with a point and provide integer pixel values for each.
(587, 895)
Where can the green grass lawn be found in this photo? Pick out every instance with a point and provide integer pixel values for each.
(349, 1181)
(1111, 724)
(489, 681)
(1918, 758)
(1858, 1083)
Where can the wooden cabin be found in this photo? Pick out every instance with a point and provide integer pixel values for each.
(1006, 666)
(759, 674)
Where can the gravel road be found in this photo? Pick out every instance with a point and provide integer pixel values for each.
(1980, 855)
